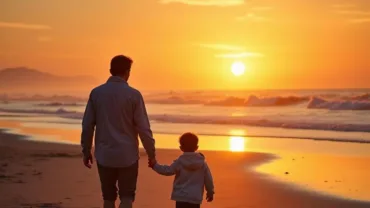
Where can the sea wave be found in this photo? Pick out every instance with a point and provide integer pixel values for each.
(360, 102)
(46, 98)
(222, 120)
(275, 101)
(353, 104)
(251, 101)
(331, 100)
(60, 111)
(261, 122)
(174, 100)
(265, 135)
(57, 104)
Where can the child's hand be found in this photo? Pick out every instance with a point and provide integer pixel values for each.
(209, 198)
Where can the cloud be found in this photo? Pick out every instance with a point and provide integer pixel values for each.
(239, 55)
(359, 20)
(225, 47)
(206, 2)
(252, 17)
(24, 26)
(44, 39)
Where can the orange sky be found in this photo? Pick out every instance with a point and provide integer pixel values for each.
(191, 44)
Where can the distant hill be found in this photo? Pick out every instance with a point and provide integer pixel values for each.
(24, 79)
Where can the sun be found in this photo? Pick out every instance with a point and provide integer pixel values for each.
(238, 68)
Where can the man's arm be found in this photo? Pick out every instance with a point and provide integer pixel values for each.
(208, 183)
(88, 128)
(166, 170)
(143, 127)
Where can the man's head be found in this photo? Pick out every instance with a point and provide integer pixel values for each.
(121, 66)
(189, 142)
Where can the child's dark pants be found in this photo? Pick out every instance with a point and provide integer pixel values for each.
(186, 205)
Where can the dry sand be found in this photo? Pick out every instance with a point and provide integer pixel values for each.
(44, 175)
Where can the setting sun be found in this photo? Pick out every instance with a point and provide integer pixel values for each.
(238, 68)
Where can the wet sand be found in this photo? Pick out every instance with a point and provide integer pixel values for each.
(39, 174)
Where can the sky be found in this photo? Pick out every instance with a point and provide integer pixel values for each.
(191, 44)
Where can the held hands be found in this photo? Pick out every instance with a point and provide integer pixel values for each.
(88, 160)
(152, 162)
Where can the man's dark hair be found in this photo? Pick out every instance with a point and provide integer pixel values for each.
(120, 64)
(189, 142)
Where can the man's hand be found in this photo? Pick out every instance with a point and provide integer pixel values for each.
(209, 198)
(152, 162)
(88, 160)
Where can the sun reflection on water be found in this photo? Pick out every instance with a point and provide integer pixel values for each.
(237, 140)
(237, 144)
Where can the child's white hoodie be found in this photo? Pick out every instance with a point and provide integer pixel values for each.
(192, 176)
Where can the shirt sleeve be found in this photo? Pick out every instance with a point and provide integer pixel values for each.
(142, 124)
(208, 181)
(166, 170)
(88, 127)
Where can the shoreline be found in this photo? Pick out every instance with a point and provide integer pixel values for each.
(9, 124)
(235, 173)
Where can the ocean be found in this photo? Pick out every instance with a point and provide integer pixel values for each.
(330, 115)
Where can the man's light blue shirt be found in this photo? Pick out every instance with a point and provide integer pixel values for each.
(116, 113)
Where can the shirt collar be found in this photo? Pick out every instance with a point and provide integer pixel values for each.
(116, 79)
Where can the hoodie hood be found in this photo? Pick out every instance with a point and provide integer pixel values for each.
(192, 160)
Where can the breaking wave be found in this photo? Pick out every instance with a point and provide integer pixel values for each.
(174, 100)
(259, 101)
(360, 102)
(354, 104)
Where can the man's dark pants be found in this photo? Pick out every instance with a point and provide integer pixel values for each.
(125, 177)
(186, 205)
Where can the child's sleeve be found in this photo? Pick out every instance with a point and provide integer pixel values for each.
(208, 182)
(166, 170)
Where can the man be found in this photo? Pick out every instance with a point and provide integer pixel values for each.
(118, 112)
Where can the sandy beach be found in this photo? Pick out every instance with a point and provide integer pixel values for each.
(39, 175)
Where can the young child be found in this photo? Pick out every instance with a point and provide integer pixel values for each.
(192, 174)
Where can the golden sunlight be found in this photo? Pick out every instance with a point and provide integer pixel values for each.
(237, 132)
(237, 144)
(238, 68)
